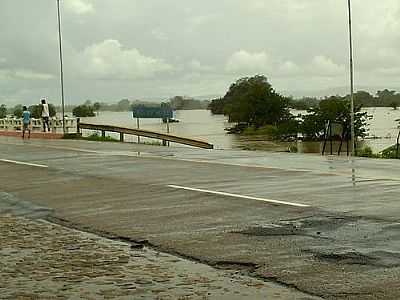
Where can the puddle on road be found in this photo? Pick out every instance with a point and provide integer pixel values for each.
(10, 204)
(340, 239)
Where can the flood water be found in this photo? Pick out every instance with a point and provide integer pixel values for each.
(201, 124)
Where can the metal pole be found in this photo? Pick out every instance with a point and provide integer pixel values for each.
(61, 66)
(353, 138)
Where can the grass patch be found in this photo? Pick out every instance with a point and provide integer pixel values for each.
(94, 137)
(72, 136)
(269, 130)
(152, 143)
(97, 138)
(367, 152)
(388, 153)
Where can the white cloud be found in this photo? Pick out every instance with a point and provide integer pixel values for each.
(325, 66)
(160, 35)
(197, 66)
(79, 7)
(109, 60)
(393, 71)
(24, 74)
(386, 19)
(246, 62)
(200, 20)
(289, 68)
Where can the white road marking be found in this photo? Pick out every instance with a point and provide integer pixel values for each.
(211, 162)
(214, 162)
(22, 163)
(237, 196)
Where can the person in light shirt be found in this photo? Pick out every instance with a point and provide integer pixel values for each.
(45, 115)
(26, 120)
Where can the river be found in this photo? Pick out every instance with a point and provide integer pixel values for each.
(201, 124)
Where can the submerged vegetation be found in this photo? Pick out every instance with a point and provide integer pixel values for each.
(84, 110)
(258, 109)
(393, 152)
(95, 137)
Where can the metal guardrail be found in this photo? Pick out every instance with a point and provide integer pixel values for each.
(145, 133)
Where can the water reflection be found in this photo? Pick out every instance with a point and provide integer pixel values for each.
(201, 124)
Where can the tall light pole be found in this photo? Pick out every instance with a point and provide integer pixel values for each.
(61, 66)
(353, 138)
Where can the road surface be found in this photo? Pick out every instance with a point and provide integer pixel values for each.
(287, 218)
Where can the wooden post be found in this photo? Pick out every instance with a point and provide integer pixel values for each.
(330, 137)
(325, 138)
(138, 127)
(78, 126)
(168, 129)
(341, 141)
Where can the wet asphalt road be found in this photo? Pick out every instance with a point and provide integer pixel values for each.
(293, 219)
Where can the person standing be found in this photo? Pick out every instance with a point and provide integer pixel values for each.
(45, 115)
(26, 122)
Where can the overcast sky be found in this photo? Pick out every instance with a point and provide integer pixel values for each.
(137, 49)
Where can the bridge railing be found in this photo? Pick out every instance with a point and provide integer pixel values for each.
(37, 124)
(145, 133)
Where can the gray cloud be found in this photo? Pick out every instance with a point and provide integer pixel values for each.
(143, 49)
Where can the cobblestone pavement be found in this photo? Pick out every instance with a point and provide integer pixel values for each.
(41, 260)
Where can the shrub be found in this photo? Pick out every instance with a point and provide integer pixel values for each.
(84, 110)
(366, 152)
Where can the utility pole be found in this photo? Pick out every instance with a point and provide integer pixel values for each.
(353, 138)
(61, 66)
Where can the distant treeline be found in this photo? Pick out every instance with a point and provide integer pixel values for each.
(89, 108)
(185, 103)
(16, 111)
(217, 106)
(384, 98)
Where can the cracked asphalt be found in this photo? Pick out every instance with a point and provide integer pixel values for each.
(343, 244)
(41, 260)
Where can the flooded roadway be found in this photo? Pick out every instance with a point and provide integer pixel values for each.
(292, 219)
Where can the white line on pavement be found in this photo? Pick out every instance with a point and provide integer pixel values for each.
(237, 196)
(214, 162)
(22, 163)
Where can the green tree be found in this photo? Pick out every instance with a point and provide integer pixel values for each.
(36, 110)
(124, 105)
(82, 111)
(3, 111)
(385, 94)
(52, 110)
(217, 106)
(253, 101)
(336, 110)
(365, 99)
(17, 111)
(303, 103)
(177, 102)
(96, 106)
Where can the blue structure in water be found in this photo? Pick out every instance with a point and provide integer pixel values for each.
(164, 111)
